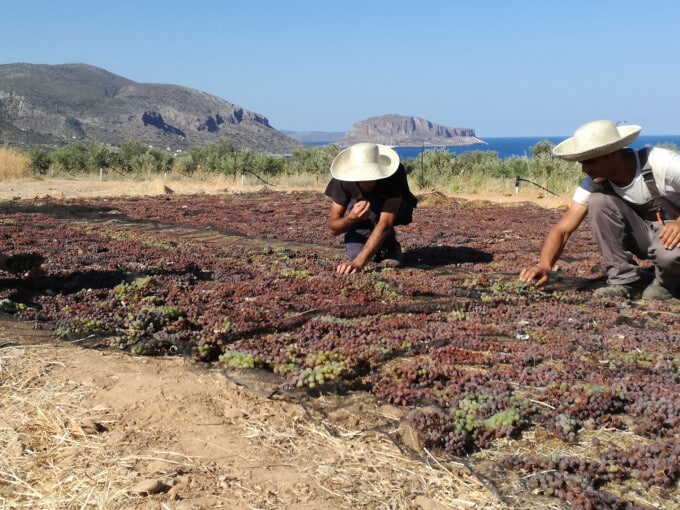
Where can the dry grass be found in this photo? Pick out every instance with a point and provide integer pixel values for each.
(369, 471)
(44, 436)
(53, 455)
(14, 164)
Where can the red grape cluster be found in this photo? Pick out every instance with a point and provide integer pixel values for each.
(581, 481)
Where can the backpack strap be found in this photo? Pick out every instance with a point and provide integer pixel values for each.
(648, 177)
(647, 174)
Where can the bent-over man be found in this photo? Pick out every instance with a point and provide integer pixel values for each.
(632, 199)
(370, 196)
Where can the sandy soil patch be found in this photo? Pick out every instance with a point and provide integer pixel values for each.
(81, 188)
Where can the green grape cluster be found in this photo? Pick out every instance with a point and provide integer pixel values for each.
(236, 359)
(320, 374)
(503, 421)
(148, 321)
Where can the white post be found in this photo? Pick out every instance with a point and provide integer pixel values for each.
(101, 174)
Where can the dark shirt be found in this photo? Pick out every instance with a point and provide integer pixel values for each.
(345, 193)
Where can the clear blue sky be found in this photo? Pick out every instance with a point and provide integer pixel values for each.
(503, 68)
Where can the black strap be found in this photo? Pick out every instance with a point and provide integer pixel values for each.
(647, 174)
(648, 177)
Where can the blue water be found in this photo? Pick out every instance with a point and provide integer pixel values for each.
(507, 147)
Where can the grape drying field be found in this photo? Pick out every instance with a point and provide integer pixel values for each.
(479, 360)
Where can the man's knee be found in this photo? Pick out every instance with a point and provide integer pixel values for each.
(668, 260)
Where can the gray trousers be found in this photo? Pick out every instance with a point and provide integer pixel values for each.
(622, 233)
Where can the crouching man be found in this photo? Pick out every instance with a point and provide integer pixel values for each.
(370, 195)
(632, 199)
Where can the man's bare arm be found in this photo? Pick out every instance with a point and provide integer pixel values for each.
(339, 222)
(554, 244)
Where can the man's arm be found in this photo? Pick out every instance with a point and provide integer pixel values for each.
(554, 243)
(667, 163)
(670, 232)
(383, 228)
(339, 223)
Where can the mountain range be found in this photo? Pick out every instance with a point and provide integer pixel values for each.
(57, 104)
(53, 105)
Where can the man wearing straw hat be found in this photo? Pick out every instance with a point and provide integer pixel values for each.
(369, 192)
(633, 202)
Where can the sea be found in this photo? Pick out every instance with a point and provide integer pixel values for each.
(508, 147)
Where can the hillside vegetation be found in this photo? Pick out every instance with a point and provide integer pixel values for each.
(433, 170)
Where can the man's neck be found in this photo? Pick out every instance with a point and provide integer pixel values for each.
(627, 168)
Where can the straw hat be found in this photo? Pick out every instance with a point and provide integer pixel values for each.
(365, 162)
(595, 139)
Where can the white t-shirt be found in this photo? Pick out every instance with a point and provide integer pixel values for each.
(666, 169)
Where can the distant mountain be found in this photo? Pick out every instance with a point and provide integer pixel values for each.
(58, 104)
(405, 131)
(314, 136)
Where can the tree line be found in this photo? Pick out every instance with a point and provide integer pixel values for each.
(433, 169)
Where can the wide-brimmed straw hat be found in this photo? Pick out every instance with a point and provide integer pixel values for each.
(365, 162)
(595, 139)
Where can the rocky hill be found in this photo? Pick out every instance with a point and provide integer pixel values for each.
(58, 104)
(405, 131)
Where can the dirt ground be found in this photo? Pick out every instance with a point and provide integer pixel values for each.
(75, 188)
(108, 430)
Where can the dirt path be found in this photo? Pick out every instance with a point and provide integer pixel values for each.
(82, 188)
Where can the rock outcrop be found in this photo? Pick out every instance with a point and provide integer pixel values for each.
(405, 131)
(57, 104)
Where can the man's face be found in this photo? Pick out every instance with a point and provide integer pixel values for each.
(366, 186)
(599, 169)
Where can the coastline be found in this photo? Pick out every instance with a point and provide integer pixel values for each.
(444, 142)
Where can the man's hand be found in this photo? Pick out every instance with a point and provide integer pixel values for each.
(347, 268)
(670, 234)
(535, 273)
(360, 210)
(339, 222)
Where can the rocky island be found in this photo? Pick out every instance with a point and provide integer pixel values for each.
(407, 131)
